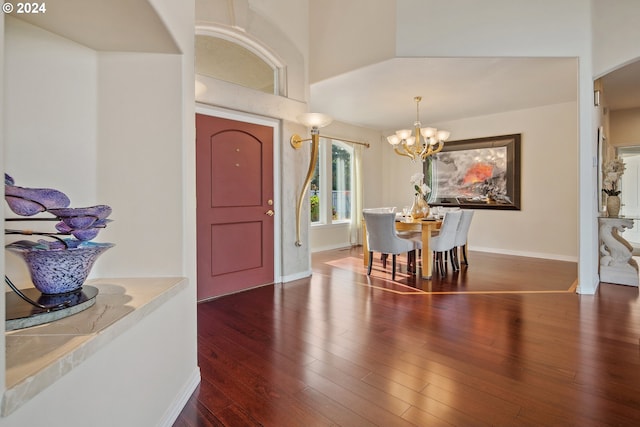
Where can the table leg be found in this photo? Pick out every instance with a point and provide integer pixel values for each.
(427, 255)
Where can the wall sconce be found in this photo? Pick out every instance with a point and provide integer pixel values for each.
(315, 121)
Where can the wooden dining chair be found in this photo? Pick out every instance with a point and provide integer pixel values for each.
(382, 237)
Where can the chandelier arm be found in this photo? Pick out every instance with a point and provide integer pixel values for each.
(439, 149)
(406, 153)
(413, 150)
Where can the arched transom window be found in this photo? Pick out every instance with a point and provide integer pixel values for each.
(229, 61)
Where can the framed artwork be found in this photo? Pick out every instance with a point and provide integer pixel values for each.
(482, 173)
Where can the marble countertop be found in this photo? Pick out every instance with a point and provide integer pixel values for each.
(635, 218)
(38, 356)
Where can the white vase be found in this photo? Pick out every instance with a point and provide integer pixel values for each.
(613, 205)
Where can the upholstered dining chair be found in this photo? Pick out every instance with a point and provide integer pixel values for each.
(461, 237)
(444, 241)
(382, 237)
(383, 257)
(381, 210)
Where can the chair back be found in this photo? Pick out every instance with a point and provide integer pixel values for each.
(463, 227)
(445, 240)
(380, 210)
(381, 233)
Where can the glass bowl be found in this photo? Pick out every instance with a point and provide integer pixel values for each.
(59, 270)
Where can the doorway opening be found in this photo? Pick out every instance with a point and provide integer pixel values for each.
(630, 193)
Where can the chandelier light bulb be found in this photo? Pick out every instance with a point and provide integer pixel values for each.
(403, 133)
(428, 132)
(394, 139)
(443, 135)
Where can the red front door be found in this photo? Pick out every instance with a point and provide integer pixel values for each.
(234, 188)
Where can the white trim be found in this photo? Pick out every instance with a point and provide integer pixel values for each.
(173, 411)
(345, 245)
(337, 224)
(275, 124)
(528, 254)
(296, 276)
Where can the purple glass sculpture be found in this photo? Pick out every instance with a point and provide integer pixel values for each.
(58, 266)
(30, 201)
(81, 218)
(55, 269)
(86, 234)
(97, 212)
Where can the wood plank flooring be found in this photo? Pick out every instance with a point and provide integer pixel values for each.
(504, 342)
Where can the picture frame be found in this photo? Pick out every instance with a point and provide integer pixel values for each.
(480, 173)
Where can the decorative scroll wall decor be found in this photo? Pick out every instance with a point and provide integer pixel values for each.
(481, 173)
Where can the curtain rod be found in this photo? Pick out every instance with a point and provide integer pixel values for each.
(366, 144)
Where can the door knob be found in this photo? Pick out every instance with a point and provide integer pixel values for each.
(270, 212)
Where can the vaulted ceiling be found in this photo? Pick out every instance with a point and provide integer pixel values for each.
(381, 96)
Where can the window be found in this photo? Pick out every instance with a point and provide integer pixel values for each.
(331, 185)
(228, 61)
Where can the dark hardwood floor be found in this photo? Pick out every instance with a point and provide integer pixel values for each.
(504, 342)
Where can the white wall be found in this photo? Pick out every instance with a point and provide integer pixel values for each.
(493, 28)
(519, 28)
(118, 150)
(116, 129)
(615, 34)
(140, 139)
(50, 119)
(546, 226)
(624, 127)
(51, 122)
(364, 31)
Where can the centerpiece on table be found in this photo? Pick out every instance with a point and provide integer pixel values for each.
(420, 208)
(59, 265)
(613, 171)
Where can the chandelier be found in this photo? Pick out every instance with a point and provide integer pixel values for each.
(405, 143)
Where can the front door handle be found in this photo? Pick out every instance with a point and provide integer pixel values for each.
(270, 212)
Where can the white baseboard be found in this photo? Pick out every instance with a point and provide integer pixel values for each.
(331, 247)
(171, 415)
(296, 276)
(590, 290)
(555, 257)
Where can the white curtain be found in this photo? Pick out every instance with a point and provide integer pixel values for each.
(355, 229)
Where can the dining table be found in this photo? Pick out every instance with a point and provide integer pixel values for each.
(407, 224)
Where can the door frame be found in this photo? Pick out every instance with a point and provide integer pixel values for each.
(240, 116)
